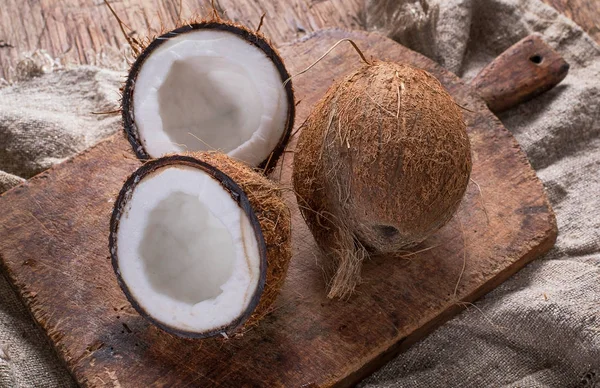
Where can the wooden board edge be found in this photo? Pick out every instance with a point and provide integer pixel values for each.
(380, 357)
(59, 166)
(28, 301)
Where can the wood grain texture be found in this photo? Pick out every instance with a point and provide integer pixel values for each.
(54, 251)
(79, 31)
(586, 13)
(525, 70)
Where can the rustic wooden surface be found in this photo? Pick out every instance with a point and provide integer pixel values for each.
(525, 70)
(586, 13)
(76, 30)
(54, 251)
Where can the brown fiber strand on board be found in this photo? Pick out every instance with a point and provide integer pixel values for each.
(410, 254)
(128, 157)
(215, 11)
(464, 265)
(268, 163)
(464, 108)
(110, 112)
(487, 218)
(260, 23)
(133, 43)
(298, 129)
(358, 50)
(281, 163)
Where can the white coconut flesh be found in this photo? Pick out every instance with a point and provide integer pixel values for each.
(210, 90)
(186, 251)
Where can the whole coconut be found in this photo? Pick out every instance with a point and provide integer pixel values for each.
(382, 162)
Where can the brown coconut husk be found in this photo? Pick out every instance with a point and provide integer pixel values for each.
(274, 218)
(382, 162)
(267, 209)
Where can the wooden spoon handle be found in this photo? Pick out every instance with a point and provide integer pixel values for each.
(528, 68)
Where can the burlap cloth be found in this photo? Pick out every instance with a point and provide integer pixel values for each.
(541, 328)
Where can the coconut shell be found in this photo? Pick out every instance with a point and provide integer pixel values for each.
(145, 48)
(274, 218)
(258, 197)
(382, 162)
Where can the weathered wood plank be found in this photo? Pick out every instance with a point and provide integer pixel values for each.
(77, 30)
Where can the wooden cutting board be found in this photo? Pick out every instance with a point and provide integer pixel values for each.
(54, 250)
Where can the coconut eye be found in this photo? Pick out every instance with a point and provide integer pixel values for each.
(387, 231)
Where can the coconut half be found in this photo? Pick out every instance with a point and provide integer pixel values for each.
(192, 252)
(209, 86)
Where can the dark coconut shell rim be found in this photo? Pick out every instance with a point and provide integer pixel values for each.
(127, 104)
(237, 194)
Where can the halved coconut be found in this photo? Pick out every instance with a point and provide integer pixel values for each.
(200, 245)
(209, 86)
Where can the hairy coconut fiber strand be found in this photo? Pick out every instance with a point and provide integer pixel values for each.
(382, 162)
(274, 219)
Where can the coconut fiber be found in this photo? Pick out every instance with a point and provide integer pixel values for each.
(541, 328)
